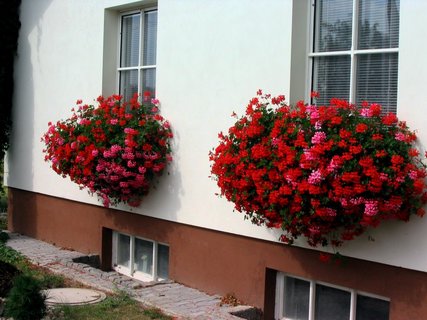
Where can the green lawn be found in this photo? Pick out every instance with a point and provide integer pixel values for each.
(115, 307)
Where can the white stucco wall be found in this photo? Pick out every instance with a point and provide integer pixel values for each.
(212, 57)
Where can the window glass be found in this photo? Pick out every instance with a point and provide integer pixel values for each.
(371, 309)
(333, 23)
(378, 24)
(356, 74)
(331, 303)
(163, 261)
(149, 81)
(128, 83)
(331, 78)
(150, 38)
(123, 250)
(143, 258)
(377, 80)
(130, 40)
(296, 299)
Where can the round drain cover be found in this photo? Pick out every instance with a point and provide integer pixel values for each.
(72, 296)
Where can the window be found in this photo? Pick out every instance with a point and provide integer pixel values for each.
(140, 258)
(354, 54)
(137, 59)
(300, 299)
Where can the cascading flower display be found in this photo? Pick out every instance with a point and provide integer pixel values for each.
(323, 172)
(115, 149)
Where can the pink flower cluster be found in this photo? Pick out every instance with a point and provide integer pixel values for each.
(114, 150)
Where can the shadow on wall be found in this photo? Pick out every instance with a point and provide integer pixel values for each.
(19, 157)
(163, 200)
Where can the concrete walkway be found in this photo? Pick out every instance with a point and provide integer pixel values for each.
(172, 298)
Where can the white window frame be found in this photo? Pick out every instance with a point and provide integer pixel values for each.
(131, 272)
(280, 291)
(353, 52)
(140, 67)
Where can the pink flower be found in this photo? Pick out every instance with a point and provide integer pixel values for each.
(400, 136)
(371, 208)
(115, 148)
(315, 177)
(318, 137)
(366, 112)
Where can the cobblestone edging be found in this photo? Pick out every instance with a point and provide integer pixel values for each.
(172, 298)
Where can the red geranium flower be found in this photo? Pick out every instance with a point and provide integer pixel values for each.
(327, 173)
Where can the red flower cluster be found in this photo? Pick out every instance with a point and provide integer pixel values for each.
(114, 150)
(325, 172)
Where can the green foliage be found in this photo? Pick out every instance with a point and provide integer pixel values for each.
(7, 274)
(155, 313)
(13, 257)
(48, 280)
(3, 222)
(3, 237)
(3, 193)
(9, 24)
(25, 301)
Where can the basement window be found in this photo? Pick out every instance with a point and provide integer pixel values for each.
(140, 258)
(301, 299)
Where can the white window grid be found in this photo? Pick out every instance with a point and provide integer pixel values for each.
(280, 289)
(353, 52)
(140, 67)
(131, 271)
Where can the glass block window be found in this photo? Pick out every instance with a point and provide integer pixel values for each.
(142, 259)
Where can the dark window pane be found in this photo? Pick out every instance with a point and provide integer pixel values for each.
(378, 24)
(143, 257)
(331, 78)
(128, 83)
(149, 81)
(331, 303)
(377, 80)
(150, 38)
(333, 23)
(163, 261)
(123, 250)
(129, 53)
(371, 309)
(296, 299)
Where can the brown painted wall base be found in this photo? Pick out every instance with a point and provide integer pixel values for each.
(215, 262)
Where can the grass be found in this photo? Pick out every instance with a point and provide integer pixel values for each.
(116, 307)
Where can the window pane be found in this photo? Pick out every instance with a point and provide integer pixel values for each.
(332, 304)
(331, 78)
(163, 261)
(128, 83)
(296, 299)
(123, 250)
(143, 256)
(150, 38)
(377, 80)
(378, 24)
(371, 309)
(149, 81)
(333, 23)
(130, 40)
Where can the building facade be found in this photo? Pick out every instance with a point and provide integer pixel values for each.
(204, 60)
